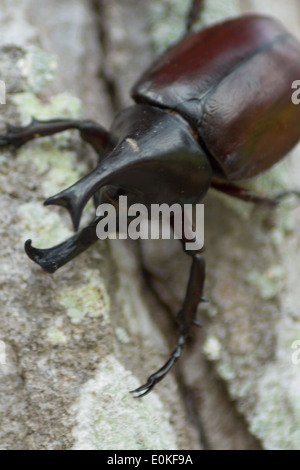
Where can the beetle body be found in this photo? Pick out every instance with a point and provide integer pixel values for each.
(214, 109)
(232, 83)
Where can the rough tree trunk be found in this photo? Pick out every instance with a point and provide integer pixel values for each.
(73, 344)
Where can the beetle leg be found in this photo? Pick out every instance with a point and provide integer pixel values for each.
(187, 319)
(194, 295)
(247, 195)
(50, 259)
(193, 14)
(90, 131)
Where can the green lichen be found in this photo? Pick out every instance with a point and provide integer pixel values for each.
(123, 423)
(59, 178)
(278, 180)
(57, 169)
(166, 19)
(243, 390)
(277, 414)
(268, 283)
(62, 104)
(91, 298)
(36, 220)
(274, 180)
(217, 10)
(54, 333)
(285, 223)
(226, 371)
(164, 32)
(48, 155)
(38, 67)
(270, 184)
(122, 335)
(56, 166)
(212, 348)
(212, 310)
(3, 159)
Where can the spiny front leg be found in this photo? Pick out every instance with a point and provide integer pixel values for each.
(90, 131)
(194, 295)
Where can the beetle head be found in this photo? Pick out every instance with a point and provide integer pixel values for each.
(156, 160)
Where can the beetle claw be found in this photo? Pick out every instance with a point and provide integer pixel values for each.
(144, 389)
(162, 372)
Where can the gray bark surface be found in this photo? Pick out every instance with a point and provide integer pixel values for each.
(74, 344)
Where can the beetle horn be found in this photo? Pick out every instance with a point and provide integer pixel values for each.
(152, 144)
(76, 196)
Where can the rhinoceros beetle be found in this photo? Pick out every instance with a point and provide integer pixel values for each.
(213, 110)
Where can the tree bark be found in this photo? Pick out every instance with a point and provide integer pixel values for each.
(73, 344)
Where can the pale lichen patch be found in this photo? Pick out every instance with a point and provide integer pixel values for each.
(38, 67)
(277, 413)
(212, 348)
(226, 371)
(55, 334)
(269, 283)
(122, 335)
(166, 19)
(105, 408)
(62, 105)
(37, 221)
(91, 298)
